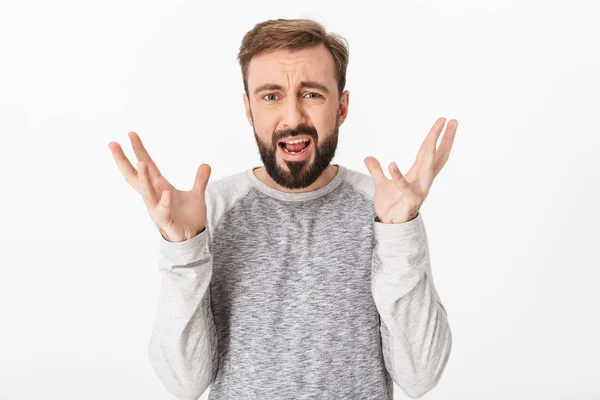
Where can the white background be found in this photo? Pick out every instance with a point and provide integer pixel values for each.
(513, 219)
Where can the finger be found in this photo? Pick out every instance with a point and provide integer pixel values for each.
(433, 132)
(141, 153)
(426, 173)
(443, 152)
(375, 170)
(162, 213)
(433, 135)
(202, 176)
(397, 177)
(413, 171)
(128, 171)
(153, 170)
(145, 186)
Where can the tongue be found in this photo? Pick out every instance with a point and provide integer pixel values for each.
(296, 147)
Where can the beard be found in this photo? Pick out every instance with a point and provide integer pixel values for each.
(299, 174)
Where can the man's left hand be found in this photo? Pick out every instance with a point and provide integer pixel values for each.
(399, 199)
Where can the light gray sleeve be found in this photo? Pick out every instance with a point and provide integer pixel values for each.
(416, 336)
(183, 343)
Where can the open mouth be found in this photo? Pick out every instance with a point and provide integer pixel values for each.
(295, 146)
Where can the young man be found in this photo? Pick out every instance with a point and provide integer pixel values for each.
(301, 279)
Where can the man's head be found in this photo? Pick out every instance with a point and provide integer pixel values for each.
(294, 74)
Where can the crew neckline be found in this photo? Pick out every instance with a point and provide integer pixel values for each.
(303, 196)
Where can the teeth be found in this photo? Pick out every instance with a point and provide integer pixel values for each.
(296, 141)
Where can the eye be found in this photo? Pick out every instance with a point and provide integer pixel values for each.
(270, 94)
(316, 94)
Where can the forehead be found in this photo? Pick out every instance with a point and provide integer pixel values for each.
(285, 65)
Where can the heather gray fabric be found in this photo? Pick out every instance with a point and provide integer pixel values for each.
(298, 296)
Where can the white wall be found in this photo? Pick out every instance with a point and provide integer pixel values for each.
(513, 219)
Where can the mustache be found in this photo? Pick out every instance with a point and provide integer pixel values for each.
(300, 130)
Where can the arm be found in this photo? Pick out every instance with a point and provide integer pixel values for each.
(416, 336)
(183, 344)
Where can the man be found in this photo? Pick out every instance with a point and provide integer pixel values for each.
(301, 279)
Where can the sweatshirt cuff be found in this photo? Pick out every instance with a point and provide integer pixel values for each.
(196, 245)
(400, 238)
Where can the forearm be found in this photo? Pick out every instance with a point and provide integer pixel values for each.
(416, 335)
(183, 344)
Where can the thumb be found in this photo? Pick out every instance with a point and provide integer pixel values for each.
(202, 176)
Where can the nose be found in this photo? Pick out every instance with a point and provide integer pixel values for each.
(293, 114)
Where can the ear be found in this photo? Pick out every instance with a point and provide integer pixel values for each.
(344, 103)
(247, 107)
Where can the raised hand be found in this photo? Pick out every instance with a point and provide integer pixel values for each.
(399, 199)
(179, 215)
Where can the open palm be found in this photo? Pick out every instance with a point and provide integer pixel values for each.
(178, 214)
(399, 199)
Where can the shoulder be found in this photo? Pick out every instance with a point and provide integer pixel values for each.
(221, 194)
(362, 183)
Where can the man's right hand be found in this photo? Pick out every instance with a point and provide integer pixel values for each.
(179, 215)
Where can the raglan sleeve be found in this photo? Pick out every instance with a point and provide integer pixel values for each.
(416, 336)
(183, 344)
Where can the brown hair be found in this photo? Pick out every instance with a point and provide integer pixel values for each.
(293, 34)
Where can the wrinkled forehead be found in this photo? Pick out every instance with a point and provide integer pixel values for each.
(289, 67)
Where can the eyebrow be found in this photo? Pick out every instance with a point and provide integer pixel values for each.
(303, 84)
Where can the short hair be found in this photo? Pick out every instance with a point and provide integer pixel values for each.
(293, 34)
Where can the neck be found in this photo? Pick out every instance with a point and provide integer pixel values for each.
(326, 177)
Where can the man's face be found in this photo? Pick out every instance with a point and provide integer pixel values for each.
(293, 95)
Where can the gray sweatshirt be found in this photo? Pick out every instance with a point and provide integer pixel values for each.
(298, 296)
